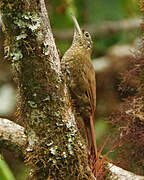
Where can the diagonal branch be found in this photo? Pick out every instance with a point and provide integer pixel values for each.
(12, 136)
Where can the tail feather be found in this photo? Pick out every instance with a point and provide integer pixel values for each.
(93, 137)
(91, 142)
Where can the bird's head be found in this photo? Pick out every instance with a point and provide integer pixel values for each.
(82, 38)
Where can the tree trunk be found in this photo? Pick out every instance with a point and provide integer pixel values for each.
(55, 149)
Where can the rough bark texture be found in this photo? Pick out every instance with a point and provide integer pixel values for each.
(55, 149)
(12, 135)
(141, 3)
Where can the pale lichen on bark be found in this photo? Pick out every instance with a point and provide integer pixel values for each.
(55, 148)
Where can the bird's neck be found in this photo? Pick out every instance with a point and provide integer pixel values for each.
(79, 49)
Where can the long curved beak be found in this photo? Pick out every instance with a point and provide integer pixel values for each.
(76, 24)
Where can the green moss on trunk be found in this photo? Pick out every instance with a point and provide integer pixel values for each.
(55, 149)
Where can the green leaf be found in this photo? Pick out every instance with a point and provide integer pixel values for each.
(5, 172)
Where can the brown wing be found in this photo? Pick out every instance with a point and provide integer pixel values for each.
(82, 84)
(91, 91)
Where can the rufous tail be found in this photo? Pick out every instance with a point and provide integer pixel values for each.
(93, 137)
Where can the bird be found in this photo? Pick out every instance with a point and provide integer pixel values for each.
(81, 81)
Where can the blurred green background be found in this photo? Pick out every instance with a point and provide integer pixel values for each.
(88, 13)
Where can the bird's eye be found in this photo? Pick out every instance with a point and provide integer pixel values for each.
(87, 34)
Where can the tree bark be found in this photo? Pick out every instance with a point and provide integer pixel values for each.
(54, 149)
(12, 135)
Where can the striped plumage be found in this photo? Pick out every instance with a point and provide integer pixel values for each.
(81, 80)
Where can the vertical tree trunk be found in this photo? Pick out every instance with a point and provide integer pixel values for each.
(55, 148)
